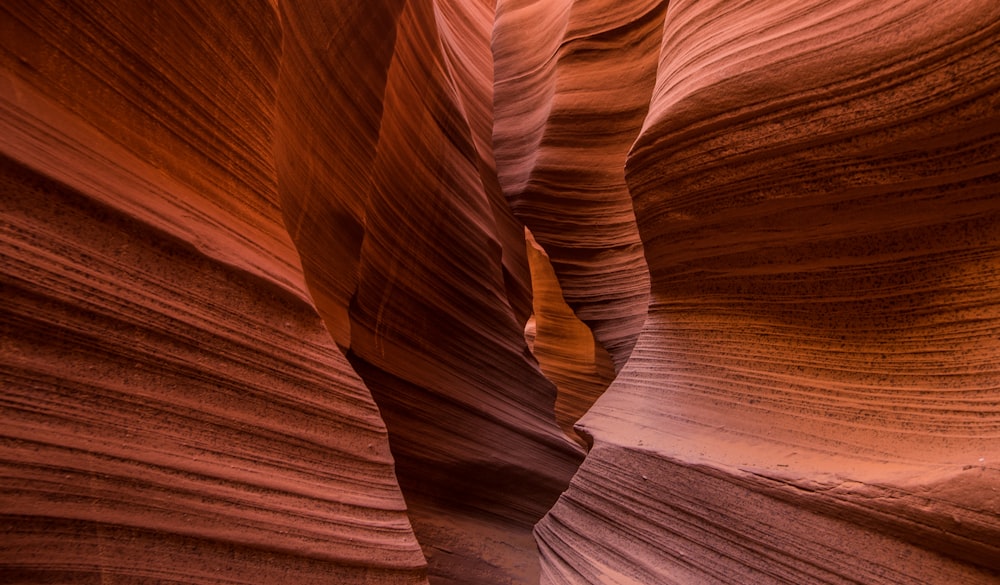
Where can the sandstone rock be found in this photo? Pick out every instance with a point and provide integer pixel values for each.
(174, 409)
(572, 87)
(435, 334)
(267, 303)
(565, 348)
(813, 396)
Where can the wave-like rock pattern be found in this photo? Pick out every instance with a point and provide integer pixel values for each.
(152, 216)
(334, 64)
(174, 410)
(572, 85)
(435, 286)
(565, 348)
(814, 397)
(265, 294)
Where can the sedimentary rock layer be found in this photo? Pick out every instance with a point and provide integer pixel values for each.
(173, 408)
(439, 287)
(150, 214)
(706, 524)
(565, 348)
(815, 396)
(334, 63)
(265, 291)
(572, 85)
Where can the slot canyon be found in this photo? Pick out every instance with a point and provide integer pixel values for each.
(482, 292)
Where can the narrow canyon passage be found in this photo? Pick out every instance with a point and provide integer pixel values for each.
(315, 291)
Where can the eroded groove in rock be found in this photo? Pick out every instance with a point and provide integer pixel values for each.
(579, 367)
(173, 409)
(815, 187)
(465, 28)
(442, 283)
(333, 70)
(573, 81)
(478, 454)
(814, 396)
(704, 524)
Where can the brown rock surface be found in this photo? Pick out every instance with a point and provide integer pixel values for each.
(265, 291)
(572, 85)
(147, 136)
(173, 408)
(814, 397)
(565, 348)
(439, 290)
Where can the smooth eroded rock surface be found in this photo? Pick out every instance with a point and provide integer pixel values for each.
(174, 409)
(565, 348)
(441, 286)
(814, 395)
(269, 312)
(572, 84)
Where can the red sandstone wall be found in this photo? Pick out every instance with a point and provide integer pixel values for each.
(169, 167)
(573, 80)
(174, 409)
(431, 290)
(813, 397)
(565, 347)
(265, 287)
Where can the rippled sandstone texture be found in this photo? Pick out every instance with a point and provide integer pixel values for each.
(565, 347)
(184, 398)
(265, 289)
(572, 84)
(174, 409)
(815, 394)
(434, 317)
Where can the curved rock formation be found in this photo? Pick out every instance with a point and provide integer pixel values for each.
(160, 124)
(432, 277)
(174, 409)
(572, 85)
(265, 291)
(814, 395)
(565, 348)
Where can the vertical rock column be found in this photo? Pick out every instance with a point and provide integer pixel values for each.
(573, 80)
(815, 397)
(334, 61)
(173, 409)
(579, 367)
(435, 285)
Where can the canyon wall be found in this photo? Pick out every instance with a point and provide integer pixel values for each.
(270, 312)
(565, 347)
(174, 409)
(227, 226)
(814, 395)
(433, 314)
(572, 84)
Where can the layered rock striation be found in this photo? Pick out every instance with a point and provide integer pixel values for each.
(572, 85)
(813, 397)
(565, 347)
(431, 289)
(265, 292)
(174, 409)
